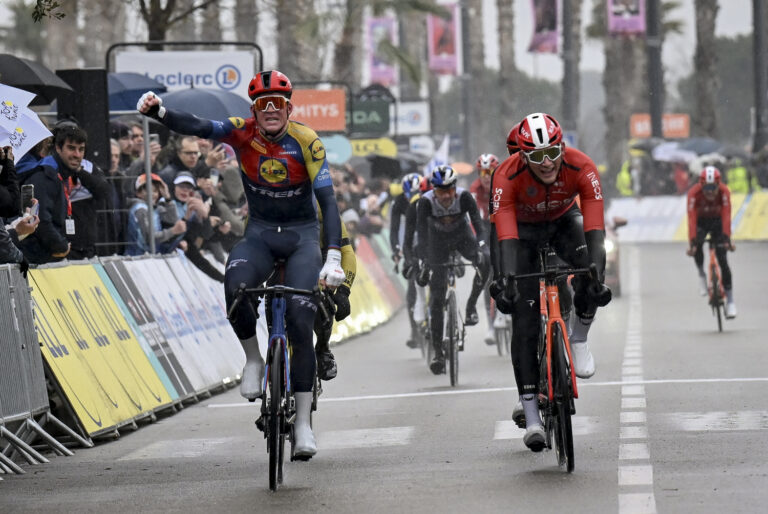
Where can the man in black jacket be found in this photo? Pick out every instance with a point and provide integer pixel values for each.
(54, 179)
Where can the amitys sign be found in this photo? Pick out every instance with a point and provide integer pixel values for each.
(229, 71)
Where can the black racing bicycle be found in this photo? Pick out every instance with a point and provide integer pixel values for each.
(278, 407)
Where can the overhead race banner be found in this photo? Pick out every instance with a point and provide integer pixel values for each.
(443, 37)
(323, 110)
(381, 70)
(412, 119)
(544, 39)
(91, 351)
(673, 125)
(229, 71)
(626, 16)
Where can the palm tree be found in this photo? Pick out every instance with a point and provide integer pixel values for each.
(705, 67)
(507, 69)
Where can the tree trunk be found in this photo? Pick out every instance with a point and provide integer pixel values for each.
(346, 57)
(246, 20)
(704, 121)
(297, 50)
(210, 26)
(61, 41)
(105, 24)
(575, 28)
(474, 65)
(507, 68)
(184, 29)
(413, 32)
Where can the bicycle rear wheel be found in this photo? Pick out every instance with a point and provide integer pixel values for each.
(563, 393)
(275, 436)
(452, 331)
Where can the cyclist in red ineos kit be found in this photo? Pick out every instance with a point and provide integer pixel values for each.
(534, 203)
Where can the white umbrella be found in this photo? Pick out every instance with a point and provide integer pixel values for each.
(671, 152)
(20, 128)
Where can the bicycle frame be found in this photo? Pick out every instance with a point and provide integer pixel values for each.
(549, 306)
(277, 336)
(715, 297)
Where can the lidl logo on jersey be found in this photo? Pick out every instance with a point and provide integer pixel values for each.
(273, 171)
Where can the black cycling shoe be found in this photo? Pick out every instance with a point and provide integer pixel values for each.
(326, 365)
(412, 343)
(437, 366)
(534, 438)
(472, 318)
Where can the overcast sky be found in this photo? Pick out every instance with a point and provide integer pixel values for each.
(732, 20)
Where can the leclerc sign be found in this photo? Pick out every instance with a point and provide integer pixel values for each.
(230, 71)
(323, 110)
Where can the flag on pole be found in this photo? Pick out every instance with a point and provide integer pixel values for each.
(440, 156)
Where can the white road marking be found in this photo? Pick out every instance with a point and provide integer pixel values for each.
(716, 421)
(453, 392)
(637, 503)
(632, 419)
(633, 451)
(633, 403)
(636, 475)
(629, 416)
(364, 438)
(582, 425)
(177, 448)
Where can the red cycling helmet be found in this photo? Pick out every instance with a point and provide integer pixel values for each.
(425, 185)
(537, 131)
(512, 146)
(710, 176)
(487, 161)
(271, 81)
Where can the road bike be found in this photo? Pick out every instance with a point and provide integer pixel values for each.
(557, 378)
(715, 286)
(278, 406)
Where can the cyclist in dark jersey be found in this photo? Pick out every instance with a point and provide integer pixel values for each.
(533, 203)
(443, 228)
(282, 163)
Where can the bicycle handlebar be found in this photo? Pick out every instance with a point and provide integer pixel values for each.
(279, 290)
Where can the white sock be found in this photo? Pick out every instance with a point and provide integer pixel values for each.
(580, 329)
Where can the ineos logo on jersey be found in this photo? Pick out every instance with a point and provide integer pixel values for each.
(496, 198)
(273, 171)
(595, 185)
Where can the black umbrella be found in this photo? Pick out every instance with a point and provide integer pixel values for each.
(125, 89)
(33, 77)
(213, 104)
(700, 145)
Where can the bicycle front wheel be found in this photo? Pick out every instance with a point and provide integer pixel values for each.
(275, 437)
(452, 332)
(716, 301)
(563, 393)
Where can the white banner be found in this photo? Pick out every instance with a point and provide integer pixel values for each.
(412, 118)
(230, 71)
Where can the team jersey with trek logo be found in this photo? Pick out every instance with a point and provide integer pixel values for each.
(701, 207)
(279, 176)
(518, 196)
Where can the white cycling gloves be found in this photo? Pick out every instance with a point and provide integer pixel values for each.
(147, 96)
(332, 272)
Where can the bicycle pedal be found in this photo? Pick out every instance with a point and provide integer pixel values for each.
(260, 423)
(301, 458)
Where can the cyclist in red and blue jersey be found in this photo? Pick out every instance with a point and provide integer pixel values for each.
(282, 163)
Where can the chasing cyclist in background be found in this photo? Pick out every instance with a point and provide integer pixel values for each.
(411, 183)
(534, 197)
(481, 189)
(443, 228)
(709, 212)
(283, 163)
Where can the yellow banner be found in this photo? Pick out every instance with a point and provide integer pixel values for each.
(91, 350)
(368, 309)
(753, 222)
(381, 146)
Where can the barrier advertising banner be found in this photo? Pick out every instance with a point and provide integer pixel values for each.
(229, 71)
(412, 118)
(443, 41)
(91, 351)
(138, 308)
(324, 110)
(626, 16)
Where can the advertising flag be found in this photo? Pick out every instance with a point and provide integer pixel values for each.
(25, 131)
(443, 43)
(381, 30)
(626, 16)
(440, 157)
(545, 33)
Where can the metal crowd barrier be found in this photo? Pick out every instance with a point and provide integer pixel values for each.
(23, 392)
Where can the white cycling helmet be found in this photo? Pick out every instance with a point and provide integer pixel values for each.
(444, 177)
